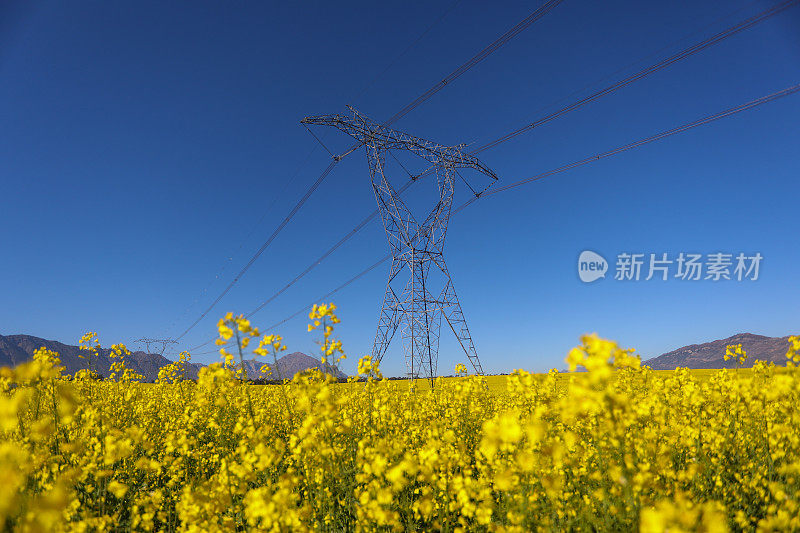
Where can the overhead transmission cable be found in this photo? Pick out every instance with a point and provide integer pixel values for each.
(674, 58)
(702, 45)
(590, 159)
(294, 175)
(683, 54)
(265, 245)
(244, 240)
(407, 49)
(641, 60)
(305, 160)
(647, 140)
(477, 58)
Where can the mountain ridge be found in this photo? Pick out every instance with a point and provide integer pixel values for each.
(17, 349)
(712, 354)
(288, 366)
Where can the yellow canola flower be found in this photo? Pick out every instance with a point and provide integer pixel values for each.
(117, 489)
(794, 349)
(619, 447)
(225, 331)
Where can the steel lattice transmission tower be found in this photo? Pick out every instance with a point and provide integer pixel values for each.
(418, 303)
(147, 342)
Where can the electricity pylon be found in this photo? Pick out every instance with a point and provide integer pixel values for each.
(155, 342)
(415, 247)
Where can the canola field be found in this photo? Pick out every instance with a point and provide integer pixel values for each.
(619, 447)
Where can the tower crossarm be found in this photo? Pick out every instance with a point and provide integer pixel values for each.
(366, 131)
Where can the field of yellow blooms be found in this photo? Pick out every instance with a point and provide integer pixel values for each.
(616, 448)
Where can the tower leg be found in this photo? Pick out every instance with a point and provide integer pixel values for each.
(389, 317)
(451, 309)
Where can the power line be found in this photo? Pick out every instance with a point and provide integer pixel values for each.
(477, 58)
(264, 246)
(597, 157)
(407, 49)
(305, 160)
(642, 59)
(705, 120)
(334, 291)
(510, 34)
(244, 240)
(305, 309)
(702, 45)
(683, 54)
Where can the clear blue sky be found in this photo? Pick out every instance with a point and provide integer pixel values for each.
(145, 146)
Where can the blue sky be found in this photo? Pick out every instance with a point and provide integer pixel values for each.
(147, 149)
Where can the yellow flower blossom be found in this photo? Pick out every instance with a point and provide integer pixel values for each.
(619, 447)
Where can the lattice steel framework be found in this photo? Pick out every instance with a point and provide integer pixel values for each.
(411, 304)
(147, 342)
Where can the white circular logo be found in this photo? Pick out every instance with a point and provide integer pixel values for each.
(591, 266)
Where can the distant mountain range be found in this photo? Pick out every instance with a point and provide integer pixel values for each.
(712, 354)
(288, 366)
(16, 349)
